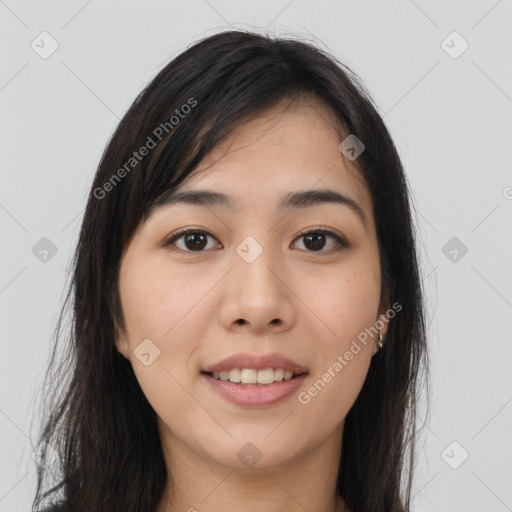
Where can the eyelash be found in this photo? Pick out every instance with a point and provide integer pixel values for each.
(340, 241)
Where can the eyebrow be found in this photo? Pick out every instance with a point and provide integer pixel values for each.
(290, 200)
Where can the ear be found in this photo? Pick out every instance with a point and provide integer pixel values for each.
(382, 325)
(121, 342)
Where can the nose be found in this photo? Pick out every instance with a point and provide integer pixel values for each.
(258, 296)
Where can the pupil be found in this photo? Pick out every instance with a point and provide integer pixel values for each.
(316, 239)
(199, 241)
(196, 237)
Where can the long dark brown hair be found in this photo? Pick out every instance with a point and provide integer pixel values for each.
(94, 414)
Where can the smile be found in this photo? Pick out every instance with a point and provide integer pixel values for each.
(254, 395)
(252, 376)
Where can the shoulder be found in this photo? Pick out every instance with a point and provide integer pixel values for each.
(53, 508)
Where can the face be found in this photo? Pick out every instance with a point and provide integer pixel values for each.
(256, 284)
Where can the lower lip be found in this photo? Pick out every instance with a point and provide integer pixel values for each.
(252, 395)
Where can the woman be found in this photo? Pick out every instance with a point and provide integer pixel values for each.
(248, 322)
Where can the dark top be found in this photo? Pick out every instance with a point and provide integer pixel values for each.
(53, 508)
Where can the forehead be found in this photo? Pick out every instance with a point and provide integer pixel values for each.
(294, 145)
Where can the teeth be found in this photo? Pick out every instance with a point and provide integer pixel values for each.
(251, 376)
(266, 376)
(234, 375)
(248, 376)
(278, 375)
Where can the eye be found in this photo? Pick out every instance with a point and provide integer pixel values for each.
(315, 240)
(194, 240)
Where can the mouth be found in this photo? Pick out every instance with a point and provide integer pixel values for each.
(254, 377)
(253, 394)
(254, 380)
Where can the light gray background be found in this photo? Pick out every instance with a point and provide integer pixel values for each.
(450, 118)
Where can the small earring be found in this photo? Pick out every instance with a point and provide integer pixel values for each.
(380, 339)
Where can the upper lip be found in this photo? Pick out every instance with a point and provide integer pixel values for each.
(256, 362)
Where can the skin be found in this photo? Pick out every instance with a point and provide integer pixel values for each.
(188, 303)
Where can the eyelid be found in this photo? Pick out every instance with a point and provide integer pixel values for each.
(340, 239)
(176, 236)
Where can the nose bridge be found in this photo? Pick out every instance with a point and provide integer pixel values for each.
(255, 261)
(257, 294)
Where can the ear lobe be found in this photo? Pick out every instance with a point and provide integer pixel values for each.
(383, 317)
(121, 343)
(382, 324)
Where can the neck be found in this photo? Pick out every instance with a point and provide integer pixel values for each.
(305, 482)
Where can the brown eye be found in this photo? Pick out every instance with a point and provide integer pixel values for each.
(193, 240)
(315, 241)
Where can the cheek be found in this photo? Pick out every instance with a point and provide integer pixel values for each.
(332, 392)
(160, 305)
(156, 299)
(343, 304)
(347, 304)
